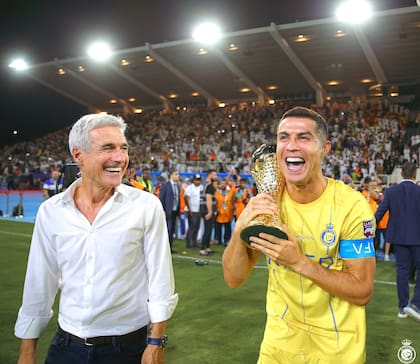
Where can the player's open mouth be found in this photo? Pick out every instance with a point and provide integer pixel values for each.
(113, 169)
(295, 164)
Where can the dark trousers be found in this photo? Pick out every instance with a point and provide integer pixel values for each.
(208, 227)
(407, 256)
(194, 220)
(65, 350)
(171, 225)
(227, 233)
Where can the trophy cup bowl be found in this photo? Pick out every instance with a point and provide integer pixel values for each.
(268, 179)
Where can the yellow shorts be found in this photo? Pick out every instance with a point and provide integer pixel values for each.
(291, 343)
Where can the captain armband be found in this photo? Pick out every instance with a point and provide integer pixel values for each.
(358, 248)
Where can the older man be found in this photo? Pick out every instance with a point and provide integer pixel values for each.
(113, 266)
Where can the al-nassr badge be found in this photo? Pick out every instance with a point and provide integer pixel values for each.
(406, 353)
(328, 236)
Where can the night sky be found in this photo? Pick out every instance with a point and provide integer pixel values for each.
(43, 30)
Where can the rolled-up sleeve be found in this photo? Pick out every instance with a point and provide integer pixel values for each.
(41, 284)
(162, 299)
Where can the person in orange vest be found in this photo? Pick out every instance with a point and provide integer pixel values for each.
(146, 180)
(130, 179)
(380, 230)
(161, 181)
(224, 202)
(370, 193)
(242, 196)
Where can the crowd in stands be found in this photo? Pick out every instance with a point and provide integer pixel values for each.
(368, 138)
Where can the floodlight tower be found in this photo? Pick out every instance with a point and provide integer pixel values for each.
(209, 34)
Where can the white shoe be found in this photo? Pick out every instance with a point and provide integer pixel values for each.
(412, 311)
(386, 258)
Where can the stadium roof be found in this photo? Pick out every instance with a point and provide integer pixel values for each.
(307, 60)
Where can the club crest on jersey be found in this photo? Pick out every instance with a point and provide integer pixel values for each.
(328, 236)
(368, 228)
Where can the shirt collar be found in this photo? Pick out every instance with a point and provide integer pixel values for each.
(67, 195)
(407, 180)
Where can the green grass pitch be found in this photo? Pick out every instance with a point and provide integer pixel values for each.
(212, 324)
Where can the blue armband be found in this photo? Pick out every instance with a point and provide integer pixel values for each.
(360, 248)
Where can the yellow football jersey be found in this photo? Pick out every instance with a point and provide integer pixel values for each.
(303, 319)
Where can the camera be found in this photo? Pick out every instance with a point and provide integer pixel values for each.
(69, 173)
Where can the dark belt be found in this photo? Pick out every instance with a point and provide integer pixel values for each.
(133, 337)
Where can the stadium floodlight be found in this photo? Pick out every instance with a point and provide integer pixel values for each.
(207, 33)
(19, 64)
(99, 51)
(354, 11)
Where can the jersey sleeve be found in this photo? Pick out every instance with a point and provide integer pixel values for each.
(357, 240)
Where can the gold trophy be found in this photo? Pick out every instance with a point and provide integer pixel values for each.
(268, 179)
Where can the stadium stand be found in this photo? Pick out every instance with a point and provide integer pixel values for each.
(368, 138)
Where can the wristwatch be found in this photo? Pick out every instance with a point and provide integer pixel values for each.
(158, 341)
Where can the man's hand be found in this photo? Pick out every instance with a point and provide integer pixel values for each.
(284, 252)
(354, 284)
(209, 215)
(260, 204)
(153, 355)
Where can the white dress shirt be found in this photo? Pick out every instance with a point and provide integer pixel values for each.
(115, 275)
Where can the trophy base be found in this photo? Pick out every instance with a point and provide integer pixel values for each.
(255, 230)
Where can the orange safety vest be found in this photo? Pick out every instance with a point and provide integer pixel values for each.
(156, 192)
(224, 203)
(372, 203)
(181, 200)
(137, 184)
(384, 221)
(241, 200)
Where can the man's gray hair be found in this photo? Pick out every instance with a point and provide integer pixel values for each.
(80, 132)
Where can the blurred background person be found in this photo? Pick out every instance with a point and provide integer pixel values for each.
(53, 185)
(146, 180)
(225, 207)
(403, 232)
(242, 196)
(192, 201)
(170, 198)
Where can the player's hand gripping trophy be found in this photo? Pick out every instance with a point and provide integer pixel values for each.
(268, 179)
